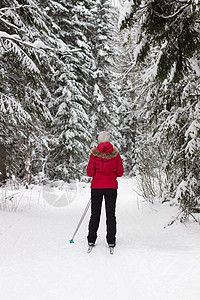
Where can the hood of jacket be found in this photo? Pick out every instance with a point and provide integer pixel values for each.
(105, 150)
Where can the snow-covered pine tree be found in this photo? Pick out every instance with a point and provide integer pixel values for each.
(24, 39)
(127, 127)
(70, 126)
(168, 39)
(105, 97)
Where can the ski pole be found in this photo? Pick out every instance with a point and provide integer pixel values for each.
(81, 220)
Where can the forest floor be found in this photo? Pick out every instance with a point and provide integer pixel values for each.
(152, 261)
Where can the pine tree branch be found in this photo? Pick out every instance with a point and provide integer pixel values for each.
(42, 46)
(16, 7)
(173, 15)
(187, 213)
(182, 1)
(6, 36)
(127, 71)
(11, 25)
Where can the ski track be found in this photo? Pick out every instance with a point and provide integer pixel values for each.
(37, 262)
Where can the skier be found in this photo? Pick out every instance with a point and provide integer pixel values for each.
(105, 165)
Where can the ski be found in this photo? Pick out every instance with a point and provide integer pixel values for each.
(90, 247)
(111, 250)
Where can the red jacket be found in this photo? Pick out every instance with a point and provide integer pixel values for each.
(105, 165)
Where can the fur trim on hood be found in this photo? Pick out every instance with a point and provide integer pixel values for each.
(97, 153)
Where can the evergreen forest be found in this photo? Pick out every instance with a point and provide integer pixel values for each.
(70, 69)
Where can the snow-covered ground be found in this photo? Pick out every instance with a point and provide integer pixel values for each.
(37, 262)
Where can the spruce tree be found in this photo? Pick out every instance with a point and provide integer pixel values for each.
(125, 81)
(23, 93)
(167, 59)
(105, 98)
(69, 129)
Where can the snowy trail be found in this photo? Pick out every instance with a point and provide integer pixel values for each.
(37, 262)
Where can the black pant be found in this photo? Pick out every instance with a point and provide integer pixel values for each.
(110, 196)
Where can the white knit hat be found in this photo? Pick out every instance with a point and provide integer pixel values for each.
(104, 137)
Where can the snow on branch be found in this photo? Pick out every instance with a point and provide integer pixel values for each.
(10, 44)
(8, 104)
(16, 7)
(16, 38)
(173, 15)
(59, 6)
(38, 44)
(192, 133)
(182, 1)
(125, 11)
(10, 24)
